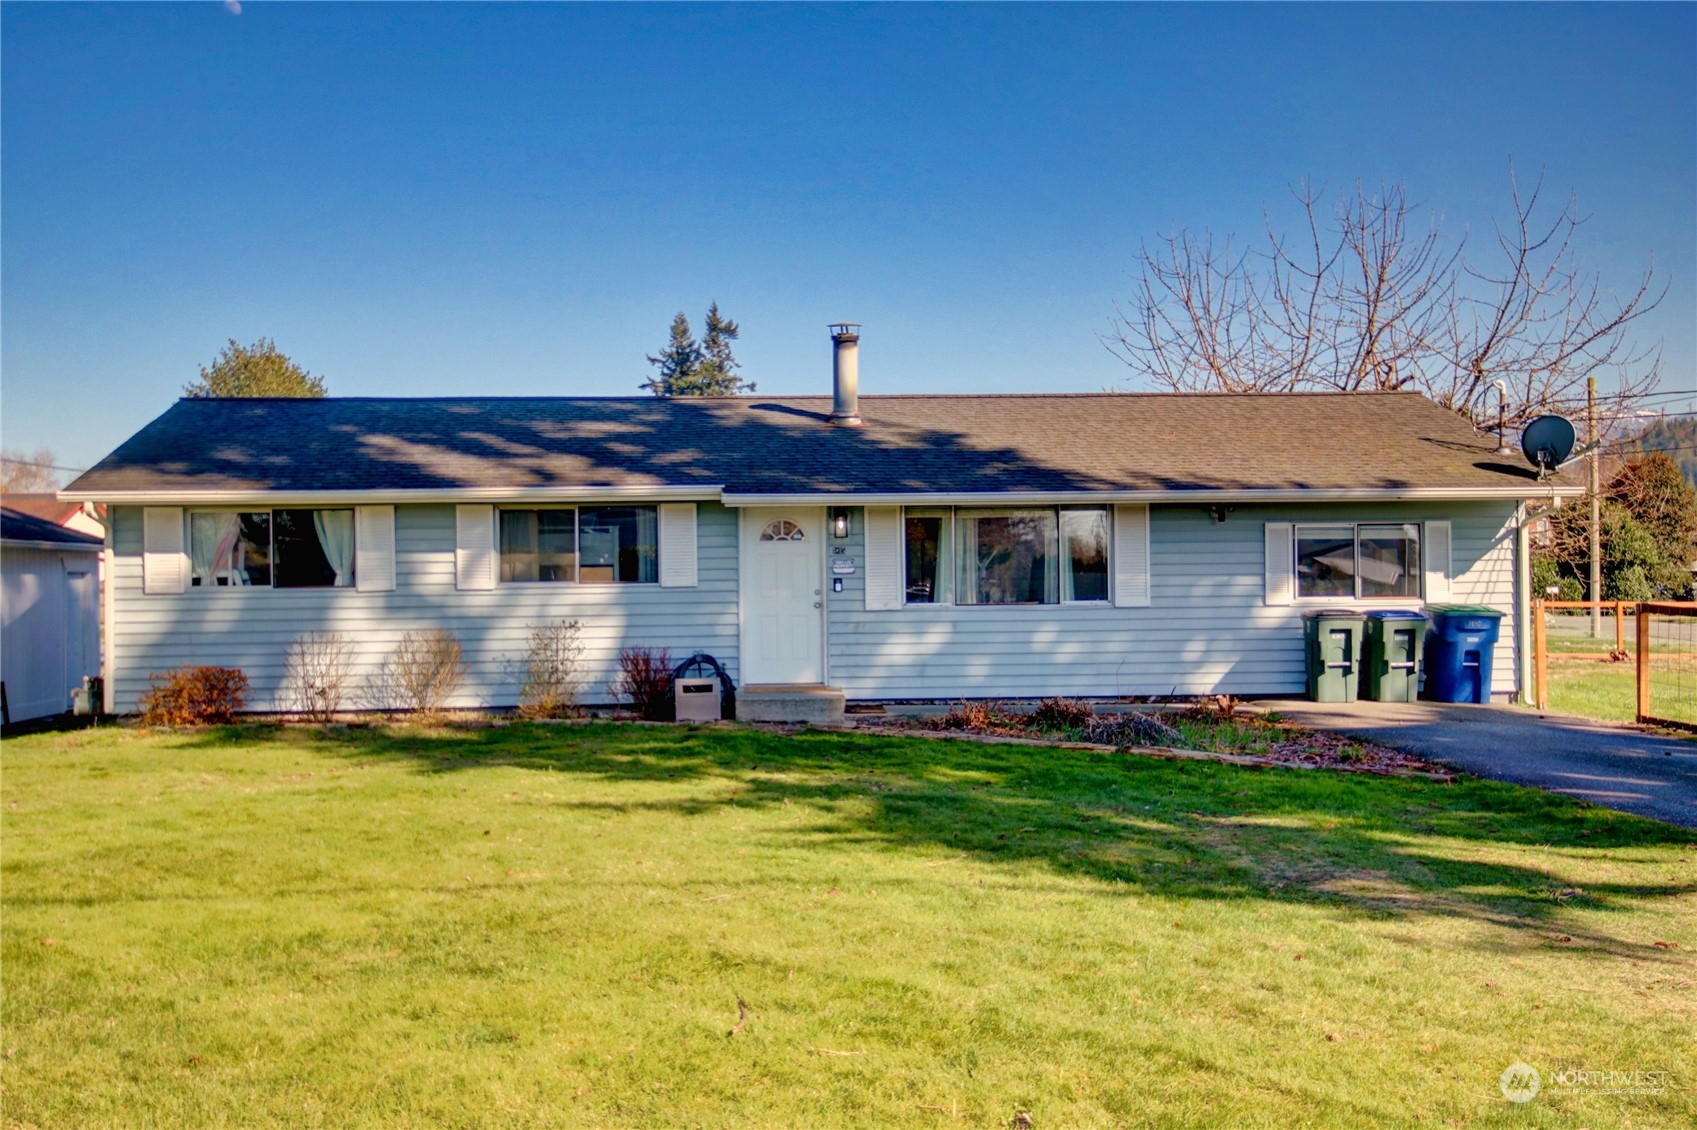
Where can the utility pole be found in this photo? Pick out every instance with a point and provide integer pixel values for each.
(1596, 514)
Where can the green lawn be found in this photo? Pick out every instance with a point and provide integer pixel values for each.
(551, 926)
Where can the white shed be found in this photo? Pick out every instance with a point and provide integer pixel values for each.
(49, 614)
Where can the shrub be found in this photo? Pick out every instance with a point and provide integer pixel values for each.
(315, 678)
(1061, 714)
(645, 677)
(194, 696)
(1131, 729)
(1215, 708)
(986, 717)
(424, 671)
(551, 671)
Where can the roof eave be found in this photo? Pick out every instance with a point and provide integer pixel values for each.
(177, 496)
(1211, 495)
(55, 546)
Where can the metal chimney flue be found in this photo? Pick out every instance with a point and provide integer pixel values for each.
(845, 375)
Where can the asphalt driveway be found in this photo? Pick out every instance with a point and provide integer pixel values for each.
(1615, 766)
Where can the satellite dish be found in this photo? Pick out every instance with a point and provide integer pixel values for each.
(1548, 441)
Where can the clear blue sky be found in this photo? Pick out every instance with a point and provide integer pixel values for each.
(488, 199)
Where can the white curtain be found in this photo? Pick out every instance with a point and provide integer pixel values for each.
(336, 535)
(647, 543)
(211, 539)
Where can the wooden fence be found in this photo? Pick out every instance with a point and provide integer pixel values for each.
(1642, 613)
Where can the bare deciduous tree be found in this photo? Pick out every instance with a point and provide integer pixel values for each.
(1371, 297)
(316, 674)
(20, 473)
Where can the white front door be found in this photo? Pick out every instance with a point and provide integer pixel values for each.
(783, 595)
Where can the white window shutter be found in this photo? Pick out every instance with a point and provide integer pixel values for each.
(677, 545)
(883, 558)
(1438, 564)
(1131, 556)
(164, 562)
(474, 547)
(1280, 564)
(374, 548)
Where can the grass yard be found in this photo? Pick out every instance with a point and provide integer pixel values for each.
(552, 925)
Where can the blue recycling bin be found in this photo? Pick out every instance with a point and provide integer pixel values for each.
(1458, 652)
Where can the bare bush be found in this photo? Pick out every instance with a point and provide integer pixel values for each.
(424, 671)
(552, 674)
(316, 674)
(645, 675)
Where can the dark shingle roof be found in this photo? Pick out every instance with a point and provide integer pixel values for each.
(17, 526)
(772, 445)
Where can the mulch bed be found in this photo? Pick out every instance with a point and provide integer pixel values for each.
(1149, 734)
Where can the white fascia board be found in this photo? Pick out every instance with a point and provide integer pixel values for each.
(1004, 498)
(169, 497)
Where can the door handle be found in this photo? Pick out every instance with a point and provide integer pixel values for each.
(818, 604)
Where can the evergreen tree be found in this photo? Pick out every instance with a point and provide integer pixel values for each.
(718, 376)
(254, 370)
(677, 364)
(708, 368)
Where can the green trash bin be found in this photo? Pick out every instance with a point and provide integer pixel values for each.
(1390, 663)
(1332, 641)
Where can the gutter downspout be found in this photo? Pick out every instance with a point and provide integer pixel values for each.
(1522, 603)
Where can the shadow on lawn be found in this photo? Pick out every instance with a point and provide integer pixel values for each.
(1184, 830)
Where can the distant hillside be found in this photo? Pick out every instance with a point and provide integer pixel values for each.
(1677, 437)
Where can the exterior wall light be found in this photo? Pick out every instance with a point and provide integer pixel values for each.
(839, 522)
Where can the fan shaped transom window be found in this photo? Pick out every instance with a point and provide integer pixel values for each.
(783, 530)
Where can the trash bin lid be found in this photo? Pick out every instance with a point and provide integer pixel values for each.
(1334, 614)
(1463, 610)
(1395, 614)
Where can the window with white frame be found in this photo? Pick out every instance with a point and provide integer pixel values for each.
(581, 545)
(1359, 561)
(286, 548)
(1013, 555)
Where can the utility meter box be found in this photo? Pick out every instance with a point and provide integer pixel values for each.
(698, 700)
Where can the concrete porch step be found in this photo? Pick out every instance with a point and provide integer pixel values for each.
(814, 703)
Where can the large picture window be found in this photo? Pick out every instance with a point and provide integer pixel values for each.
(1037, 555)
(277, 548)
(581, 545)
(1359, 562)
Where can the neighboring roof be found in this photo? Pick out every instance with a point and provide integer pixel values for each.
(755, 445)
(45, 505)
(18, 528)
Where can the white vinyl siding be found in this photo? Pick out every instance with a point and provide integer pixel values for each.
(374, 548)
(1208, 628)
(1131, 556)
(677, 545)
(164, 561)
(251, 628)
(474, 548)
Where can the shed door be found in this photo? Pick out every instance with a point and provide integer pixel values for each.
(82, 626)
(783, 599)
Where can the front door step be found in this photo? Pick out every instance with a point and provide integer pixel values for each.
(790, 703)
